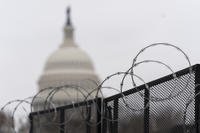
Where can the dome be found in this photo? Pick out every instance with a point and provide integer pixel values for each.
(69, 54)
(69, 58)
(68, 65)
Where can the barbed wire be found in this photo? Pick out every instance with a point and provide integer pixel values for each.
(82, 104)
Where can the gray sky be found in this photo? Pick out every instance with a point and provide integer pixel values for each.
(111, 31)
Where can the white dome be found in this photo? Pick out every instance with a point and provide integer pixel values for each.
(69, 54)
(68, 65)
(69, 58)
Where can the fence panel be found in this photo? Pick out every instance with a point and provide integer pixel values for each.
(81, 117)
(170, 105)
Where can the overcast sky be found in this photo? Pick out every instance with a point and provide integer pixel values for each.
(110, 31)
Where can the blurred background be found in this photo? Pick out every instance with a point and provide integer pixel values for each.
(110, 31)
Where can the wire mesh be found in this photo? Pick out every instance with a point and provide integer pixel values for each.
(170, 107)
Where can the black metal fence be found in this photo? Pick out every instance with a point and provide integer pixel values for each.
(166, 105)
(72, 118)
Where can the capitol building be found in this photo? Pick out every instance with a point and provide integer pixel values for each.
(67, 66)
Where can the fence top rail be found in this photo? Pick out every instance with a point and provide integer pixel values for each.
(153, 83)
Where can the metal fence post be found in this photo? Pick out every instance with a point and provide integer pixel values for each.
(146, 110)
(31, 123)
(62, 121)
(115, 115)
(197, 98)
(105, 115)
(99, 117)
(88, 117)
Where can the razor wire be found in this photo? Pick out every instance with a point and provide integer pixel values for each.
(45, 98)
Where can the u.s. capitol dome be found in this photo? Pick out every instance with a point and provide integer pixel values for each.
(68, 66)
